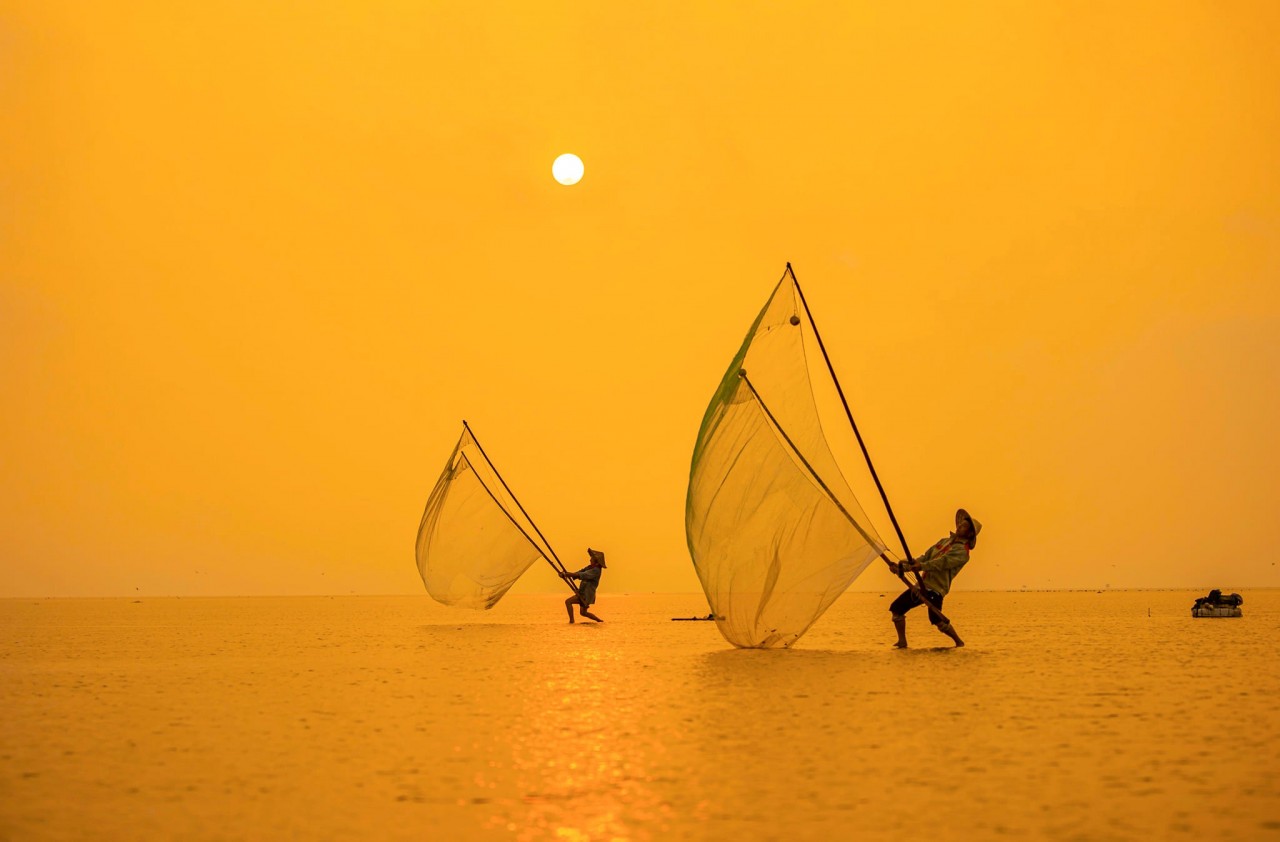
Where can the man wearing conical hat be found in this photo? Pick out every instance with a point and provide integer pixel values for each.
(588, 579)
(939, 565)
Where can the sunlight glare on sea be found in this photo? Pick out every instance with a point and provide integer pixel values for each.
(1072, 716)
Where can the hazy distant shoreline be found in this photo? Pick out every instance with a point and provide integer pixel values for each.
(694, 594)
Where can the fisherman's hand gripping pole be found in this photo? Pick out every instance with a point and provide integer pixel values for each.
(917, 587)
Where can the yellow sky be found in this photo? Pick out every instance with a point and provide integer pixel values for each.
(259, 260)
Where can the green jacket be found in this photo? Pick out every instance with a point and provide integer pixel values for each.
(942, 562)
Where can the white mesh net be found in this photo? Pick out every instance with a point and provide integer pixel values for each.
(474, 541)
(774, 531)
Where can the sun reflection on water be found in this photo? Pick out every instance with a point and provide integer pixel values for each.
(572, 780)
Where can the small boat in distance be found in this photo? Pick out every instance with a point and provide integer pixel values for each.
(1218, 604)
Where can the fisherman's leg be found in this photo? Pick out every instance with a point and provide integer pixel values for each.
(898, 611)
(950, 631)
(569, 603)
(591, 616)
(946, 628)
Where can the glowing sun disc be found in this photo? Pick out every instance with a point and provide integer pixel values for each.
(567, 169)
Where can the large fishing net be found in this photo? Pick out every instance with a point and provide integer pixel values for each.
(475, 540)
(774, 530)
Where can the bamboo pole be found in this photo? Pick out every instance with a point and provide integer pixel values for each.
(556, 564)
(861, 444)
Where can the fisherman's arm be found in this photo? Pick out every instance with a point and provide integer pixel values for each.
(898, 568)
(953, 559)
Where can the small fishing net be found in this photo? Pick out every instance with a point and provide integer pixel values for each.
(475, 540)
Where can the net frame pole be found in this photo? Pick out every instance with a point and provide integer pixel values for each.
(742, 373)
(849, 414)
(556, 564)
(918, 591)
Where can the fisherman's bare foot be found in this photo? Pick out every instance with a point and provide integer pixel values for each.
(901, 644)
(959, 643)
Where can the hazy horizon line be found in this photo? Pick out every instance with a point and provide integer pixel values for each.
(138, 596)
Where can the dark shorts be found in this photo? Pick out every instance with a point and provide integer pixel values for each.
(908, 600)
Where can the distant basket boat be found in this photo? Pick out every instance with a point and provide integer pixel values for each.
(1218, 604)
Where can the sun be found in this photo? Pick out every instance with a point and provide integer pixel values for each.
(567, 169)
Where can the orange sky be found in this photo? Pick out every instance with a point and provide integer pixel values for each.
(258, 260)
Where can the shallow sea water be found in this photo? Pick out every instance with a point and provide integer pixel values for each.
(1069, 716)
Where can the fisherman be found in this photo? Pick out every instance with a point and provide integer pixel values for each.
(589, 579)
(939, 564)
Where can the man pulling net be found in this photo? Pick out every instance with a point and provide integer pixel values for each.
(939, 565)
(588, 580)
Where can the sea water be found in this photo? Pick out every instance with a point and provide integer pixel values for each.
(1068, 716)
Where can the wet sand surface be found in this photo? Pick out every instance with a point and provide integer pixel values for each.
(1069, 716)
